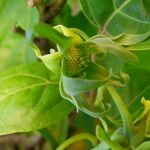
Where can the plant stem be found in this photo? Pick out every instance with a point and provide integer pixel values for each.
(104, 137)
(53, 10)
(99, 98)
(78, 137)
(48, 136)
(125, 115)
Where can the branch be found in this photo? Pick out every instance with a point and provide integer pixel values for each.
(32, 3)
(52, 10)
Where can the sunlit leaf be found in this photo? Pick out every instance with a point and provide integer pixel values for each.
(15, 50)
(51, 61)
(32, 100)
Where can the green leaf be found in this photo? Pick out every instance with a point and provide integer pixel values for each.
(117, 16)
(28, 17)
(104, 137)
(101, 146)
(114, 48)
(95, 76)
(144, 146)
(78, 20)
(144, 61)
(51, 61)
(129, 39)
(146, 110)
(15, 50)
(29, 99)
(146, 6)
(18, 12)
(83, 103)
(54, 34)
(142, 46)
(97, 11)
(6, 8)
(138, 87)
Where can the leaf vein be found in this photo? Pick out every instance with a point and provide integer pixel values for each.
(135, 19)
(26, 88)
(92, 13)
(24, 74)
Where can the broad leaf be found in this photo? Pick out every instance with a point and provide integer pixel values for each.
(146, 5)
(97, 11)
(138, 87)
(15, 50)
(18, 12)
(144, 61)
(28, 17)
(29, 99)
(78, 20)
(117, 16)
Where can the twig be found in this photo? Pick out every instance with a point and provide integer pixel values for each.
(52, 10)
(18, 30)
(32, 3)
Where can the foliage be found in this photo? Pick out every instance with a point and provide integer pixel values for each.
(100, 68)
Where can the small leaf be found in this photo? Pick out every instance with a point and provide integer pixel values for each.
(142, 46)
(69, 33)
(146, 110)
(51, 61)
(129, 39)
(144, 118)
(46, 31)
(112, 47)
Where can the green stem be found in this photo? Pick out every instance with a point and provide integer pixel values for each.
(104, 136)
(49, 137)
(46, 31)
(125, 115)
(99, 98)
(78, 137)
